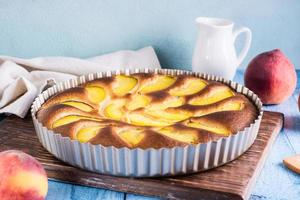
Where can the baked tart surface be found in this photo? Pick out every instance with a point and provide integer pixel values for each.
(147, 110)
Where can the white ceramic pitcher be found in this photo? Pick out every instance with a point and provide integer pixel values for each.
(214, 52)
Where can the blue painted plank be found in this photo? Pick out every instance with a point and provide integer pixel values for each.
(291, 122)
(58, 190)
(139, 197)
(276, 181)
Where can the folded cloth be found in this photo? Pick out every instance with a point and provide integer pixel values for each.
(21, 80)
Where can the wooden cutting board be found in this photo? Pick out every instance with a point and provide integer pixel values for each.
(231, 181)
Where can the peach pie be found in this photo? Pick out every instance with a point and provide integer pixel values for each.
(147, 110)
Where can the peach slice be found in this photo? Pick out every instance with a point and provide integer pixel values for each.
(87, 133)
(115, 109)
(173, 116)
(158, 83)
(231, 106)
(226, 106)
(218, 94)
(172, 101)
(189, 87)
(95, 94)
(293, 163)
(132, 136)
(187, 136)
(138, 101)
(69, 119)
(140, 119)
(80, 105)
(124, 84)
(208, 125)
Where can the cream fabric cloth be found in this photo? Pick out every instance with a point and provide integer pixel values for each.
(22, 79)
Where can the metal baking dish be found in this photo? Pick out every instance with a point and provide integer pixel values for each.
(145, 162)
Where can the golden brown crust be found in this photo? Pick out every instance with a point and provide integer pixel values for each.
(155, 140)
(213, 112)
(107, 137)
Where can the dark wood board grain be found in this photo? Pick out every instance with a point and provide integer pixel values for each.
(231, 181)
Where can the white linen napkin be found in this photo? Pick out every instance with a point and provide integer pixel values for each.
(21, 80)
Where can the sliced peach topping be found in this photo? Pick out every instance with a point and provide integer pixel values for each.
(114, 110)
(159, 82)
(87, 133)
(138, 101)
(70, 119)
(208, 125)
(95, 94)
(173, 101)
(216, 95)
(189, 87)
(80, 105)
(170, 115)
(132, 136)
(124, 84)
(187, 136)
(226, 106)
(139, 119)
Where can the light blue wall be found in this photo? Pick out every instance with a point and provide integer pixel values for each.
(85, 28)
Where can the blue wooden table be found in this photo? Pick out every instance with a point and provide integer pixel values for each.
(275, 181)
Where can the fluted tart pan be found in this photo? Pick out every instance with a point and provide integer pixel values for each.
(146, 162)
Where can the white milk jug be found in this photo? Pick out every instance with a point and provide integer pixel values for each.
(214, 52)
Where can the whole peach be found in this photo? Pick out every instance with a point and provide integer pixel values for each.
(22, 177)
(271, 76)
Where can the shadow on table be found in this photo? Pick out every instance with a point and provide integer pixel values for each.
(292, 123)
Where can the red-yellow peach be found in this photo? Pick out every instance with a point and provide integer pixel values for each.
(271, 76)
(22, 177)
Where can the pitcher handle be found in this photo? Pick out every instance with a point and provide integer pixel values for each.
(247, 43)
